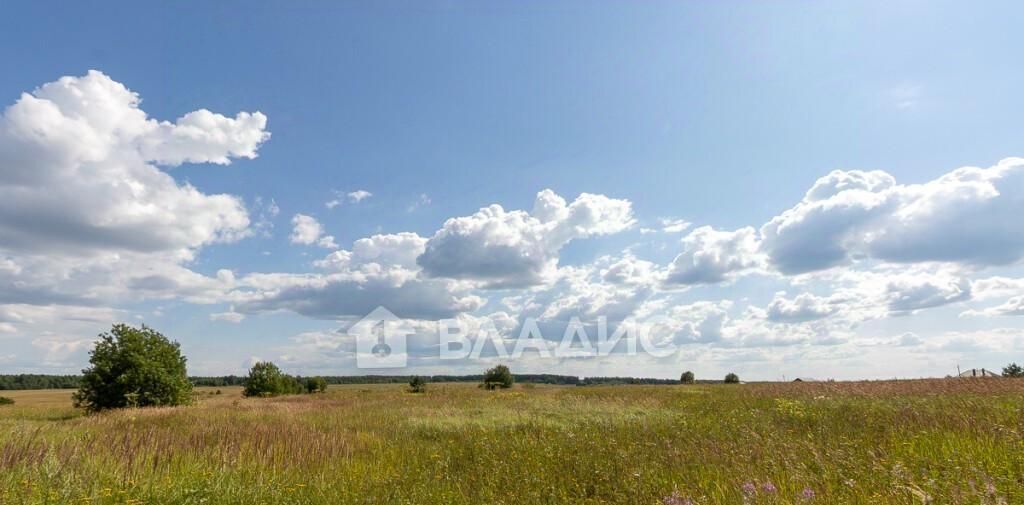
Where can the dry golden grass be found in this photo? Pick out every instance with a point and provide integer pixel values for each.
(40, 397)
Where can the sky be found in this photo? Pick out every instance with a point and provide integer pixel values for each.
(793, 189)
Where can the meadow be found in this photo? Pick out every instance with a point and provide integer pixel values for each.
(933, 441)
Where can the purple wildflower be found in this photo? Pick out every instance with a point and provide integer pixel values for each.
(768, 487)
(749, 488)
(807, 493)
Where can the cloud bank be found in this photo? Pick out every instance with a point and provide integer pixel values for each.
(92, 220)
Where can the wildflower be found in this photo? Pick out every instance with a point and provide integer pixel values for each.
(749, 488)
(768, 487)
(807, 493)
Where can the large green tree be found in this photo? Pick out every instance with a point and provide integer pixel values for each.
(134, 367)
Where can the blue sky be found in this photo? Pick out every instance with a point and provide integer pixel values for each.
(717, 114)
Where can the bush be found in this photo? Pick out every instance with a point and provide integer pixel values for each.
(687, 377)
(498, 377)
(1013, 370)
(293, 385)
(732, 378)
(265, 379)
(6, 401)
(134, 367)
(417, 384)
(316, 385)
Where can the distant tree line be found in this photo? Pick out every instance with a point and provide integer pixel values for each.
(234, 380)
(140, 367)
(227, 380)
(610, 381)
(36, 381)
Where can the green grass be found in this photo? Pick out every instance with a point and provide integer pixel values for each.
(949, 441)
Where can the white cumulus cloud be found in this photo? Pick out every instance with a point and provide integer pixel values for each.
(969, 216)
(78, 172)
(804, 307)
(517, 248)
(87, 215)
(711, 256)
(306, 230)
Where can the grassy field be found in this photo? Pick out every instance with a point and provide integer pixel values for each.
(942, 441)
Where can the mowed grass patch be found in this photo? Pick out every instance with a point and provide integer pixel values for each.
(887, 442)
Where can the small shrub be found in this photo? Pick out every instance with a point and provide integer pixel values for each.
(265, 379)
(498, 377)
(6, 401)
(1013, 370)
(417, 384)
(732, 378)
(687, 377)
(293, 385)
(316, 385)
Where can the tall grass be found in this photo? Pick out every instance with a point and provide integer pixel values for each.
(949, 441)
